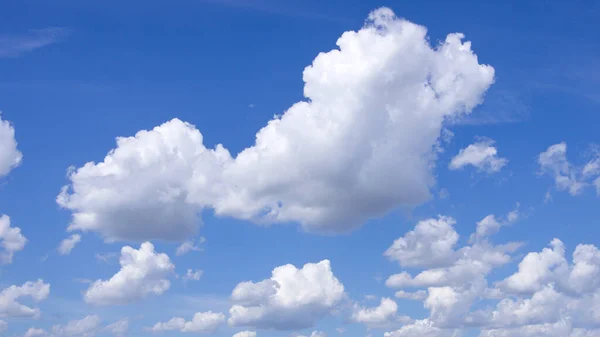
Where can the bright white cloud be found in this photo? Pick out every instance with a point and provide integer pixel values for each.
(381, 316)
(421, 328)
(11, 240)
(490, 225)
(364, 142)
(482, 155)
(143, 272)
(10, 157)
(431, 243)
(9, 305)
(291, 299)
(569, 177)
(67, 245)
(202, 322)
(245, 334)
(35, 332)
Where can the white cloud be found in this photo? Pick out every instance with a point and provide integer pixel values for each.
(67, 245)
(363, 143)
(10, 157)
(245, 334)
(381, 316)
(431, 243)
(490, 225)
(16, 45)
(11, 240)
(291, 299)
(421, 328)
(193, 275)
(415, 296)
(188, 246)
(35, 332)
(482, 155)
(85, 327)
(118, 328)
(143, 272)
(9, 305)
(3, 326)
(202, 322)
(569, 177)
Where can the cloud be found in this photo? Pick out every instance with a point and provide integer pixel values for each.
(10, 157)
(35, 332)
(19, 44)
(423, 328)
(383, 315)
(193, 275)
(202, 322)
(364, 142)
(85, 327)
(490, 225)
(67, 245)
(431, 243)
(482, 155)
(143, 272)
(118, 328)
(245, 334)
(11, 240)
(291, 299)
(189, 246)
(10, 307)
(3, 326)
(569, 177)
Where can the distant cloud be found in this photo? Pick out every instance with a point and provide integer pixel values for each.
(15, 45)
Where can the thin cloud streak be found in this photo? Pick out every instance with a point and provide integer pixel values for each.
(15, 45)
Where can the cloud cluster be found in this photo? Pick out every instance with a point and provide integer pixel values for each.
(291, 299)
(88, 326)
(482, 155)
(143, 272)
(363, 142)
(381, 316)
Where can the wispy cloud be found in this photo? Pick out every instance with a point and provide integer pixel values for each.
(501, 106)
(15, 45)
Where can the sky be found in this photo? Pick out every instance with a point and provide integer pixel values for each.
(299, 168)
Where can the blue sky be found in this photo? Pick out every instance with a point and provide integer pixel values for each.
(338, 179)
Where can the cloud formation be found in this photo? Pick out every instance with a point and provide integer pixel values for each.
(143, 272)
(481, 155)
(291, 299)
(10, 157)
(9, 305)
(202, 322)
(11, 240)
(374, 108)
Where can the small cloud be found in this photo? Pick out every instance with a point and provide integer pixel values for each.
(189, 246)
(193, 275)
(16, 45)
(67, 245)
(443, 194)
(251, 105)
(106, 257)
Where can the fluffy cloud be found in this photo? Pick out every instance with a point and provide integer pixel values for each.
(143, 272)
(10, 157)
(245, 334)
(383, 315)
(10, 307)
(35, 332)
(422, 328)
(363, 142)
(11, 240)
(490, 225)
(67, 245)
(569, 177)
(291, 299)
(431, 243)
(202, 322)
(482, 155)
(85, 327)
